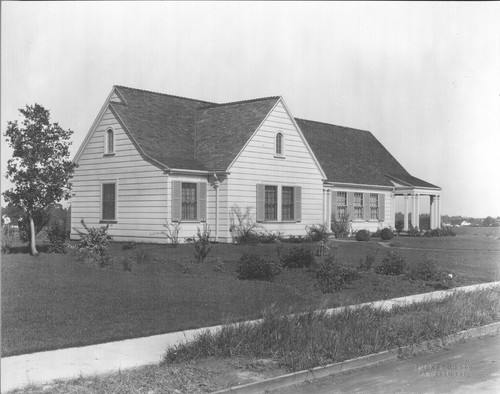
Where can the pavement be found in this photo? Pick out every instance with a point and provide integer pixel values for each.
(468, 367)
(44, 367)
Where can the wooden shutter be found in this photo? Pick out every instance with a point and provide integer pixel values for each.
(366, 206)
(176, 201)
(297, 203)
(350, 205)
(334, 205)
(261, 203)
(201, 195)
(381, 206)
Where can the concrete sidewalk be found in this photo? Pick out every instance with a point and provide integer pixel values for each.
(44, 367)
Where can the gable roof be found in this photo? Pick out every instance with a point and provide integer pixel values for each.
(355, 156)
(183, 133)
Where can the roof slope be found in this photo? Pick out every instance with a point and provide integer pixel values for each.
(354, 156)
(162, 125)
(223, 130)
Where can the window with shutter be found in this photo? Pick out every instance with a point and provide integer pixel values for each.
(358, 206)
(287, 203)
(271, 203)
(189, 201)
(341, 205)
(109, 201)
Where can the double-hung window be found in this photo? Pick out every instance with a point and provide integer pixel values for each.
(109, 201)
(358, 206)
(189, 201)
(287, 203)
(374, 206)
(341, 204)
(271, 203)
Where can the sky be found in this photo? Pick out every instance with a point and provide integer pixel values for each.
(424, 78)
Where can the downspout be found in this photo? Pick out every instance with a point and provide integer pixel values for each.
(216, 187)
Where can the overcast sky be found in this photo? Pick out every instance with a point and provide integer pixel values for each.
(424, 78)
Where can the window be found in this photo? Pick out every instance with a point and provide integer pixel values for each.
(358, 205)
(341, 204)
(374, 206)
(109, 201)
(189, 202)
(279, 144)
(110, 141)
(271, 203)
(287, 203)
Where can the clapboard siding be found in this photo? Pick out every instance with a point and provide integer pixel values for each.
(256, 164)
(141, 187)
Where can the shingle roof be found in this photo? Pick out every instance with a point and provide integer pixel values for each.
(354, 156)
(190, 134)
(223, 130)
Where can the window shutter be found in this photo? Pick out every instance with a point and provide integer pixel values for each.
(350, 205)
(297, 201)
(176, 201)
(381, 206)
(201, 195)
(334, 204)
(261, 208)
(366, 206)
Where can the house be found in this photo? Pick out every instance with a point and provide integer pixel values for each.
(152, 158)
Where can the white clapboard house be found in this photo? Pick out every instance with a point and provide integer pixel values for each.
(152, 158)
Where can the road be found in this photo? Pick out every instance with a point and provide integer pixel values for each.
(469, 367)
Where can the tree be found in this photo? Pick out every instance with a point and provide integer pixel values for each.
(489, 221)
(40, 168)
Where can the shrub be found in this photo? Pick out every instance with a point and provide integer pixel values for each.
(332, 276)
(141, 256)
(441, 232)
(400, 225)
(340, 227)
(294, 239)
(7, 238)
(268, 237)
(127, 264)
(413, 231)
(425, 269)
(362, 235)
(317, 232)
(252, 267)
(376, 234)
(93, 245)
(128, 245)
(386, 234)
(201, 242)
(171, 232)
(297, 258)
(447, 231)
(367, 263)
(56, 235)
(392, 264)
(219, 265)
(243, 228)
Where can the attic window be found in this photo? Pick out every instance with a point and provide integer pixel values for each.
(110, 142)
(279, 145)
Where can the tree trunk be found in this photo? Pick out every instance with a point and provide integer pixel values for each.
(34, 252)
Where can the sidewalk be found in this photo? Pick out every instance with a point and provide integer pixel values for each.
(43, 367)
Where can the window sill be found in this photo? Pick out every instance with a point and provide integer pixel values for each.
(103, 221)
(189, 221)
(279, 157)
(280, 221)
(109, 154)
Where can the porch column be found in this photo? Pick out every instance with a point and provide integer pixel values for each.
(405, 228)
(393, 211)
(438, 212)
(324, 205)
(216, 187)
(328, 210)
(416, 211)
(432, 214)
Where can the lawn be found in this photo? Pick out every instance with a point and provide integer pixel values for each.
(51, 301)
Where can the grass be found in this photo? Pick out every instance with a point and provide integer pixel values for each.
(309, 340)
(50, 301)
(239, 354)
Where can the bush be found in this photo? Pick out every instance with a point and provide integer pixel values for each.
(171, 232)
(294, 239)
(446, 231)
(376, 234)
(362, 235)
(93, 245)
(413, 231)
(400, 225)
(56, 235)
(201, 242)
(128, 245)
(392, 264)
(243, 228)
(297, 258)
(340, 227)
(317, 232)
(252, 267)
(386, 234)
(7, 238)
(332, 276)
(426, 270)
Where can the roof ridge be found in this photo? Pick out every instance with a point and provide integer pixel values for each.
(239, 102)
(163, 94)
(331, 124)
